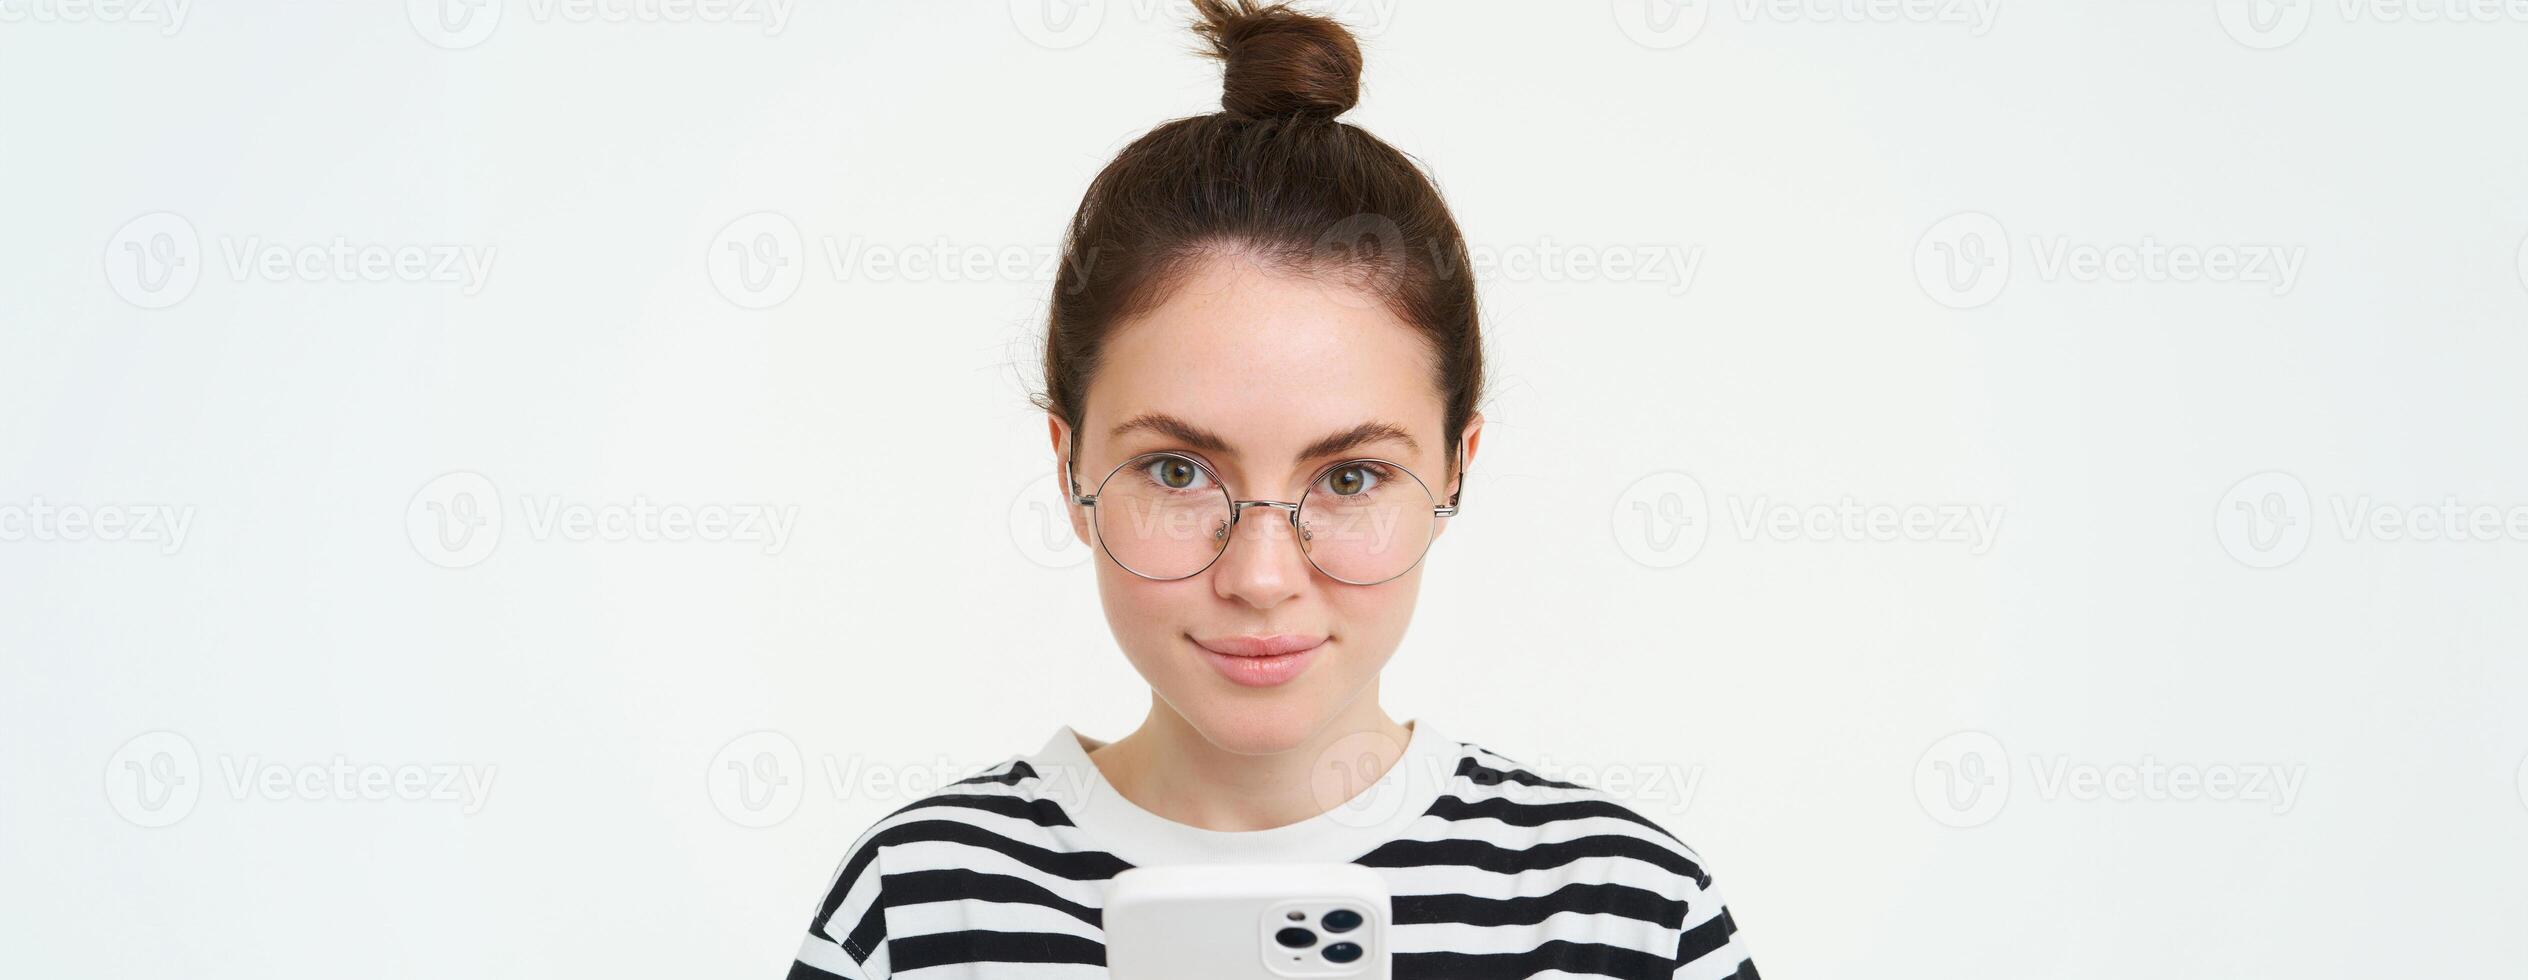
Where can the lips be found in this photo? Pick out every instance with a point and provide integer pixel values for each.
(1260, 661)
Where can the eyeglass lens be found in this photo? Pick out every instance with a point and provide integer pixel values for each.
(1165, 516)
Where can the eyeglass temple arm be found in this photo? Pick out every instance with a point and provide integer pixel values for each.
(1071, 472)
(1450, 508)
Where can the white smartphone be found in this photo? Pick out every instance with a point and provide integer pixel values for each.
(1247, 922)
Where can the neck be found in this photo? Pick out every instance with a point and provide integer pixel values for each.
(1167, 767)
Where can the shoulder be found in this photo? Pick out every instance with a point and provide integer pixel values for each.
(1587, 839)
(1010, 807)
(996, 831)
(1589, 809)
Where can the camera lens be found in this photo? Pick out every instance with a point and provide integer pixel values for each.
(1299, 939)
(1342, 920)
(1343, 952)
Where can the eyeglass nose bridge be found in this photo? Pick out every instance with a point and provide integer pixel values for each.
(1237, 512)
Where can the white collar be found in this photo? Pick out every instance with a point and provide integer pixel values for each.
(1371, 817)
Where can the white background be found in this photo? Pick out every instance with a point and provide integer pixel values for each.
(1611, 608)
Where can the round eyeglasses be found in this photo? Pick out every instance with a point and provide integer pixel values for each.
(1167, 516)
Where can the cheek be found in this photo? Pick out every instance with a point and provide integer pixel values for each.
(1146, 615)
(1376, 617)
(1372, 620)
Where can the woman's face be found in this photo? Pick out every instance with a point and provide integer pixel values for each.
(1247, 368)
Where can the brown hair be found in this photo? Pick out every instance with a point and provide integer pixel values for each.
(1273, 175)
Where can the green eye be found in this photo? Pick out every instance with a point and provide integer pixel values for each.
(1174, 472)
(1350, 481)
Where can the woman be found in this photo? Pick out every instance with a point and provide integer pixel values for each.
(1261, 370)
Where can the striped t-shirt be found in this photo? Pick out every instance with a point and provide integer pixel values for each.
(1495, 872)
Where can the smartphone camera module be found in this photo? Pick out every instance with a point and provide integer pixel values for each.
(1318, 940)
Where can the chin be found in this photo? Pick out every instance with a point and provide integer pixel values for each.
(1277, 722)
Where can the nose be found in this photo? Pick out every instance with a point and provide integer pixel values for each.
(1264, 565)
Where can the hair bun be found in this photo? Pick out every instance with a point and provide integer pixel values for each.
(1278, 61)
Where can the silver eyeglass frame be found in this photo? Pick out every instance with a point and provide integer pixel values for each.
(1237, 511)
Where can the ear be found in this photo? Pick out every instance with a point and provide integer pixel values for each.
(1467, 443)
(1064, 468)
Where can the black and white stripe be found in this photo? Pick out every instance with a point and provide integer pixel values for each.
(1506, 874)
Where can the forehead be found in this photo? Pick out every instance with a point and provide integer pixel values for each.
(1270, 360)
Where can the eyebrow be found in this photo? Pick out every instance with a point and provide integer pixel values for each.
(1210, 442)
